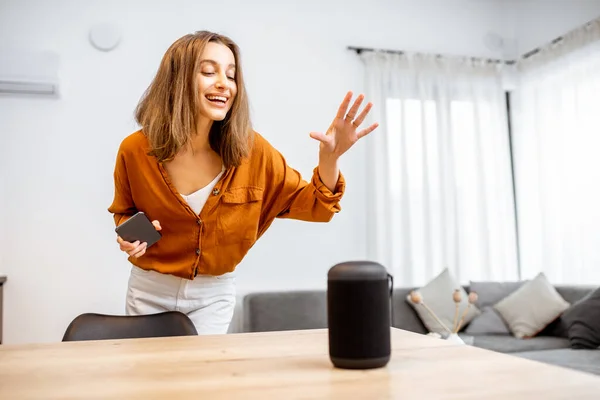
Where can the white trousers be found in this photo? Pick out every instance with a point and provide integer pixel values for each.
(209, 301)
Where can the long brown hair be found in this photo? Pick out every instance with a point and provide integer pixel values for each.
(168, 111)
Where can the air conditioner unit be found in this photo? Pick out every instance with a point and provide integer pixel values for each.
(28, 73)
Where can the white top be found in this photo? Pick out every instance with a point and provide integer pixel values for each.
(197, 199)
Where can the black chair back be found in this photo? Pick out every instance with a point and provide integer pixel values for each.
(91, 326)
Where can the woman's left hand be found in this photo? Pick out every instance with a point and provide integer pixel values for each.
(343, 131)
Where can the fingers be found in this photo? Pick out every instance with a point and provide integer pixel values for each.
(361, 117)
(351, 115)
(138, 251)
(321, 137)
(368, 130)
(135, 249)
(156, 225)
(124, 245)
(354, 109)
(127, 246)
(344, 106)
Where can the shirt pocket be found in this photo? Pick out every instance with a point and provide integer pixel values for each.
(239, 215)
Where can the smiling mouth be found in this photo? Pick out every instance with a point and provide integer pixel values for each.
(217, 100)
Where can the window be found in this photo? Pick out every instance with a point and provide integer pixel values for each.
(446, 161)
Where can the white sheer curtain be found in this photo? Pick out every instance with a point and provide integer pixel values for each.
(440, 177)
(556, 113)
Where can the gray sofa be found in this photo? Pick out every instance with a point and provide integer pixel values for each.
(278, 311)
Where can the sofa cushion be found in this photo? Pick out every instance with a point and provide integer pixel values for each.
(282, 311)
(574, 293)
(488, 294)
(437, 297)
(510, 344)
(582, 360)
(583, 322)
(403, 315)
(488, 322)
(571, 294)
(532, 307)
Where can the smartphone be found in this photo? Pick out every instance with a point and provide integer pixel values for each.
(138, 227)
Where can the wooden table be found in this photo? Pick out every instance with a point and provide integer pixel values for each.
(2, 280)
(277, 365)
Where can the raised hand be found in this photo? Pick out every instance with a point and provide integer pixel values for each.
(135, 249)
(343, 131)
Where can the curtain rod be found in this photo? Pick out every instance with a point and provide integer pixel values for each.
(525, 56)
(559, 39)
(540, 48)
(359, 50)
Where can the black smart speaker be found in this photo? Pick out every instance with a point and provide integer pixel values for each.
(359, 315)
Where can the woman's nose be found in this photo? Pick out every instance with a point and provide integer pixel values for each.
(221, 80)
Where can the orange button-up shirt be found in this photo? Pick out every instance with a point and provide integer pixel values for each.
(243, 204)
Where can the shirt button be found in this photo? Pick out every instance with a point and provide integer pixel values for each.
(215, 191)
(198, 251)
(198, 222)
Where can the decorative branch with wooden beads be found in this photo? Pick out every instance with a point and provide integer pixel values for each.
(417, 298)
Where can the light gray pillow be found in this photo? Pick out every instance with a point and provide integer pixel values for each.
(489, 322)
(531, 307)
(488, 294)
(437, 295)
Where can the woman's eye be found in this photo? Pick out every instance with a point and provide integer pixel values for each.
(231, 78)
(208, 73)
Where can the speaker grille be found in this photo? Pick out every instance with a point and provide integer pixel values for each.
(358, 314)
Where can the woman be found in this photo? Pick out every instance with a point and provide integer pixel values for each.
(212, 185)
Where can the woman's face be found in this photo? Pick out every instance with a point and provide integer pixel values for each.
(216, 81)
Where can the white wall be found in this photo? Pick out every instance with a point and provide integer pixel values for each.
(57, 244)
